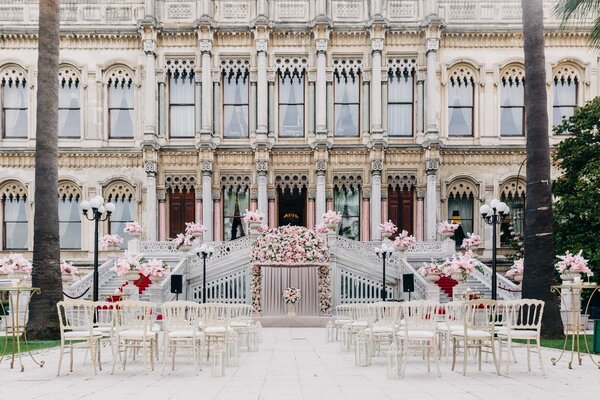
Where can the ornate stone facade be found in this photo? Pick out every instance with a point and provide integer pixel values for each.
(433, 44)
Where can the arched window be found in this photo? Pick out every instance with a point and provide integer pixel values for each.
(461, 203)
(236, 200)
(401, 96)
(346, 200)
(235, 74)
(15, 100)
(120, 104)
(512, 105)
(346, 75)
(566, 83)
(291, 96)
(121, 194)
(69, 105)
(14, 211)
(181, 98)
(512, 192)
(69, 217)
(461, 92)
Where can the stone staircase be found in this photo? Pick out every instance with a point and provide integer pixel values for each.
(114, 283)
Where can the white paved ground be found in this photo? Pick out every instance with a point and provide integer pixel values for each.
(297, 363)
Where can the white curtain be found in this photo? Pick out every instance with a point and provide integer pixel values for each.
(181, 99)
(15, 109)
(276, 279)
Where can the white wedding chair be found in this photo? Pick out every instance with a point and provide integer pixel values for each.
(524, 322)
(383, 329)
(180, 329)
(241, 321)
(133, 330)
(104, 321)
(215, 319)
(452, 320)
(343, 316)
(76, 319)
(418, 332)
(478, 331)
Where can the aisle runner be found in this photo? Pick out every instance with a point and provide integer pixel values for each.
(276, 279)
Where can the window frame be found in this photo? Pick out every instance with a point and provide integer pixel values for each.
(3, 83)
(225, 217)
(471, 82)
(76, 82)
(392, 76)
(336, 189)
(568, 82)
(245, 75)
(13, 198)
(77, 200)
(346, 75)
(191, 75)
(301, 76)
(131, 109)
(509, 84)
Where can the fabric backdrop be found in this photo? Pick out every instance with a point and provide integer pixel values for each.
(276, 279)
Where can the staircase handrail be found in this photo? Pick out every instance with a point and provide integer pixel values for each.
(77, 289)
(179, 269)
(508, 289)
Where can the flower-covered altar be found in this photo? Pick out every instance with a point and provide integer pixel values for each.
(290, 256)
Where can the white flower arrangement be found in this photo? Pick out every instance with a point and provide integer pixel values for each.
(332, 217)
(292, 295)
(404, 241)
(447, 227)
(192, 229)
(154, 267)
(573, 263)
(253, 216)
(463, 264)
(182, 240)
(388, 227)
(471, 241)
(516, 269)
(68, 268)
(15, 262)
(133, 227)
(432, 268)
(111, 241)
(129, 264)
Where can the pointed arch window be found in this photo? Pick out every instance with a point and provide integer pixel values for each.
(512, 106)
(401, 96)
(15, 99)
(346, 98)
(121, 195)
(346, 200)
(291, 103)
(69, 105)
(460, 211)
(14, 217)
(460, 106)
(235, 102)
(120, 105)
(564, 98)
(181, 104)
(236, 200)
(69, 220)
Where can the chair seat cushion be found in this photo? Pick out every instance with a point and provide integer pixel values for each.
(136, 334)
(360, 324)
(184, 333)
(416, 334)
(518, 333)
(217, 330)
(82, 334)
(381, 329)
(472, 334)
(342, 321)
(240, 324)
(444, 327)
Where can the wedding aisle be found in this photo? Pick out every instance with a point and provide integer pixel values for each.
(296, 363)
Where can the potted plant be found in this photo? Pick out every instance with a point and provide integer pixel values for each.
(129, 268)
(291, 295)
(183, 242)
(332, 219)
(133, 229)
(404, 241)
(194, 230)
(111, 242)
(516, 271)
(460, 266)
(471, 242)
(387, 229)
(254, 220)
(68, 271)
(432, 271)
(446, 229)
(16, 267)
(571, 266)
(155, 269)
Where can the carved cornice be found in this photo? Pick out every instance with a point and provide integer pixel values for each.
(76, 160)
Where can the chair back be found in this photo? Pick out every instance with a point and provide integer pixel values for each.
(364, 312)
(75, 315)
(180, 315)
(104, 312)
(215, 314)
(525, 314)
(480, 315)
(419, 315)
(343, 311)
(240, 312)
(131, 314)
(454, 313)
(387, 312)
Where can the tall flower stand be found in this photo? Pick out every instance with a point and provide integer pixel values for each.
(459, 291)
(130, 289)
(291, 309)
(155, 290)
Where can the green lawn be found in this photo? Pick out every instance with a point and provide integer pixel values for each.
(33, 345)
(558, 343)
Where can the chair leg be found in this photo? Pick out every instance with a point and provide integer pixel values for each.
(528, 355)
(71, 363)
(509, 352)
(173, 351)
(152, 354)
(165, 346)
(62, 351)
(539, 351)
(453, 353)
(124, 354)
(145, 355)
(465, 357)
(479, 354)
(436, 354)
(494, 357)
(93, 356)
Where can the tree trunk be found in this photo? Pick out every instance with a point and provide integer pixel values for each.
(539, 272)
(43, 321)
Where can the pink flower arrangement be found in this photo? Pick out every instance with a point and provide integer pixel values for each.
(15, 262)
(182, 240)
(573, 263)
(447, 227)
(471, 241)
(515, 269)
(133, 227)
(130, 264)
(404, 241)
(192, 229)
(291, 295)
(332, 218)
(111, 240)
(155, 268)
(428, 269)
(463, 264)
(289, 245)
(388, 227)
(263, 228)
(253, 216)
(68, 268)
(321, 228)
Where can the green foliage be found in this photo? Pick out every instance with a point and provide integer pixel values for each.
(576, 211)
(581, 11)
(516, 244)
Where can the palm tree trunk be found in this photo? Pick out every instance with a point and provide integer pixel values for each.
(539, 272)
(43, 321)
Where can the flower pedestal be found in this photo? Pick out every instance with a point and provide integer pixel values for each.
(447, 235)
(155, 290)
(130, 289)
(386, 235)
(291, 309)
(254, 227)
(184, 249)
(67, 279)
(569, 276)
(332, 227)
(22, 278)
(135, 235)
(433, 277)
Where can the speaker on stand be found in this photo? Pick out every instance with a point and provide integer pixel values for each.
(177, 285)
(408, 284)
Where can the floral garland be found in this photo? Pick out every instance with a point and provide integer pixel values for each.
(255, 289)
(324, 290)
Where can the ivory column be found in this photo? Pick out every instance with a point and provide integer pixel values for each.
(320, 197)
(420, 100)
(151, 214)
(263, 199)
(431, 88)
(207, 87)
(431, 167)
(321, 89)
(376, 200)
(377, 46)
(365, 226)
(262, 100)
(150, 87)
(162, 216)
(207, 201)
(419, 230)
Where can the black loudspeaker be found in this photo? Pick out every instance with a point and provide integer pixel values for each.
(408, 283)
(176, 284)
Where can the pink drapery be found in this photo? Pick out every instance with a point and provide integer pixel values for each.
(275, 279)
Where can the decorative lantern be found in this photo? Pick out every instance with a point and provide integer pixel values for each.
(233, 351)
(253, 338)
(362, 351)
(394, 362)
(330, 331)
(346, 339)
(218, 366)
(259, 331)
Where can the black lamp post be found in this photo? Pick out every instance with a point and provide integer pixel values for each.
(204, 251)
(383, 252)
(100, 212)
(493, 215)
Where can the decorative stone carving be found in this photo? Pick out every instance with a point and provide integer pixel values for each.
(180, 66)
(401, 66)
(149, 46)
(237, 10)
(119, 190)
(402, 180)
(376, 179)
(261, 45)
(513, 74)
(13, 189)
(68, 76)
(312, 195)
(462, 74)
(462, 187)
(567, 73)
(291, 66)
(376, 165)
(179, 11)
(150, 167)
(291, 180)
(180, 182)
(431, 166)
(513, 188)
(119, 75)
(421, 193)
(205, 45)
(235, 67)
(366, 194)
(377, 44)
(206, 166)
(347, 66)
(321, 166)
(68, 190)
(254, 195)
(161, 195)
(13, 75)
(421, 76)
(433, 44)
(349, 179)
(235, 181)
(216, 195)
(262, 166)
(321, 45)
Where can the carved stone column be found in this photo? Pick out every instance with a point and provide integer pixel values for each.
(321, 88)
(262, 88)
(365, 220)
(377, 46)
(207, 87)
(150, 83)
(162, 215)
(420, 227)
(376, 168)
(150, 168)
(431, 202)
(263, 200)
(420, 99)
(320, 199)
(207, 201)
(431, 87)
